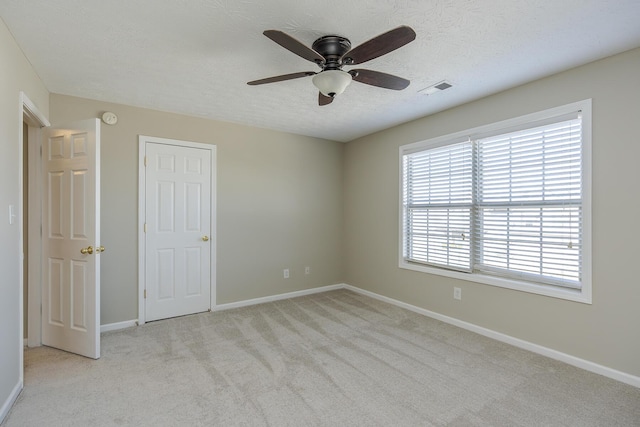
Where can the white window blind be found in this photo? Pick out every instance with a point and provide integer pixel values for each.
(503, 204)
(528, 188)
(438, 197)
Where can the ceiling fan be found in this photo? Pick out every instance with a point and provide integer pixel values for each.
(331, 53)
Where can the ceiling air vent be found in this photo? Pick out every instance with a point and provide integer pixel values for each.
(435, 88)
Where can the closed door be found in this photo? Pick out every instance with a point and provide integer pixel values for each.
(71, 238)
(178, 230)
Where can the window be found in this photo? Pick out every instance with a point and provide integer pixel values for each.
(505, 204)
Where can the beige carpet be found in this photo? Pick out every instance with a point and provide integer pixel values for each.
(330, 359)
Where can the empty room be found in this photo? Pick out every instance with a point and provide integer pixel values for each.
(298, 213)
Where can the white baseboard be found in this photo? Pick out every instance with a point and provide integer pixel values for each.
(278, 297)
(516, 342)
(119, 325)
(6, 406)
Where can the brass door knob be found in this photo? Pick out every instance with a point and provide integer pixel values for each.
(100, 249)
(87, 250)
(205, 238)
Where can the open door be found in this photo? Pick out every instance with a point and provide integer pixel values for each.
(71, 238)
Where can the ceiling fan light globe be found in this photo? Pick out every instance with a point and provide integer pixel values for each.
(332, 82)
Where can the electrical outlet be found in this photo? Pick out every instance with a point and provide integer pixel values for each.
(286, 273)
(307, 270)
(457, 293)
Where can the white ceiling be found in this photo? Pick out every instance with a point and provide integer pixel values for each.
(194, 57)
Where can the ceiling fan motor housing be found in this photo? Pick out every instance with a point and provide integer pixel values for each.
(332, 48)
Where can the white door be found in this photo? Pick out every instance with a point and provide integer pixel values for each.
(71, 238)
(178, 230)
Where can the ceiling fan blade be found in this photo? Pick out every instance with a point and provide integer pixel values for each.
(323, 99)
(380, 45)
(293, 45)
(376, 78)
(281, 78)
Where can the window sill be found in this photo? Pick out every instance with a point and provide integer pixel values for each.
(581, 296)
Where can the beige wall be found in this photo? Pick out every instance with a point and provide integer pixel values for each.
(279, 204)
(605, 332)
(16, 75)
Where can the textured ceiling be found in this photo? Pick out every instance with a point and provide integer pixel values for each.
(195, 56)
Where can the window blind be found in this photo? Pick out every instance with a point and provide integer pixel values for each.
(438, 194)
(528, 199)
(507, 204)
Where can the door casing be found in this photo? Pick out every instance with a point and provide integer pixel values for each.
(142, 141)
(35, 120)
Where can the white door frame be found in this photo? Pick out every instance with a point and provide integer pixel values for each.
(35, 120)
(142, 141)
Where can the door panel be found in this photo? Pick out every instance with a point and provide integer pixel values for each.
(178, 249)
(70, 223)
(79, 191)
(55, 288)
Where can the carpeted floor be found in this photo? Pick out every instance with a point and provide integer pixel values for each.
(330, 359)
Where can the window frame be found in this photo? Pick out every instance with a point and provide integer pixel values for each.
(584, 294)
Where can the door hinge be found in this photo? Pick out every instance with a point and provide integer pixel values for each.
(145, 161)
(145, 294)
(41, 151)
(145, 227)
